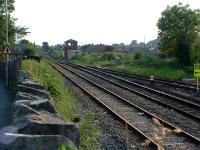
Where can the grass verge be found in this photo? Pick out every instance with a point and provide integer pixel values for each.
(147, 66)
(64, 100)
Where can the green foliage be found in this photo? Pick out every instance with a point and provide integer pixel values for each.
(14, 32)
(161, 68)
(29, 52)
(90, 132)
(179, 26)
(138, 55)
(62, 147)
(108, 56)
(88, 58)
(55, 53)
(24, 42)
(55, 84)
(28, 48)
(45, 46)
(64, 101)
(195, 53)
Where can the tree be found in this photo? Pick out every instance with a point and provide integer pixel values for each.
(28, 51)
(179, 27)
(14, 32)
(195, 53)
(108, 48)
(24, 42)
(45, 46)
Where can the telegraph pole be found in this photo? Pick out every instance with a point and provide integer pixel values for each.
(6, 10)
(7, 44)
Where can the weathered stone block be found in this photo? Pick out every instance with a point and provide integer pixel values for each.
(36, 92)
(39, 105)
(38, 142)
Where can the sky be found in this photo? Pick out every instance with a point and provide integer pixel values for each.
(92, 21)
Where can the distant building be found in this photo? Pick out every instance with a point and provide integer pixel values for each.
(71, 49)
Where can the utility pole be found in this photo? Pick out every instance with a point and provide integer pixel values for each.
(6, 11)
(7, 44)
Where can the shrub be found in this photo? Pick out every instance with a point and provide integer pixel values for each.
(138, 55)
(29, 52)
(108, 56)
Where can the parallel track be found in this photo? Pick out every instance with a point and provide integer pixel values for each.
(183, 106)
(183, 90)
(128, 112)
(176, 84)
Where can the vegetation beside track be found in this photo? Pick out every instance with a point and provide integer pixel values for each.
(64, 100)
(137, 64)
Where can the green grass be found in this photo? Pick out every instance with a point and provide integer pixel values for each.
(147, 66)
(54, 83)
(90, 140)
(64, 100)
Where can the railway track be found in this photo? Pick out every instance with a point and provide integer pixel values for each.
(153, 105)
(180, 89)
(183, 106)
(176, 84)
(159, 133)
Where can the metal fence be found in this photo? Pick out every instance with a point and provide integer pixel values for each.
(14, 65)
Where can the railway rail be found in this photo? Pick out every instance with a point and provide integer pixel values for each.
(161, 134)
(180, 89)
(183, 106)
(176, 84)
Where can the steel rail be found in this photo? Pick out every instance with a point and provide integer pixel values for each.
(156, 81)
(153, 144)
(167, 124)
(197, 118)
(144, 87)
(171, 83)
(159, 83)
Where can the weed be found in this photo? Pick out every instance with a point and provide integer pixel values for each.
(64, 100)
(133, 63)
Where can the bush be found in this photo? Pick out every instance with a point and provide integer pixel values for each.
(138, 55)
(29, 52)
(108, 56)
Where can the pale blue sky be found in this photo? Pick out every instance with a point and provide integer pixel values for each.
(92, 21)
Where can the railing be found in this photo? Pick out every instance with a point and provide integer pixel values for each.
(14, 65)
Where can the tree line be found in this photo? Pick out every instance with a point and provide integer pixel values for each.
(178, 36)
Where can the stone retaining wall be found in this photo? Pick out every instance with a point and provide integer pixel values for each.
(37, 123)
